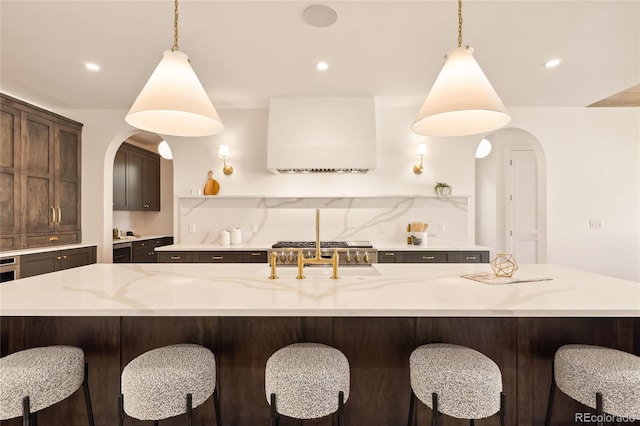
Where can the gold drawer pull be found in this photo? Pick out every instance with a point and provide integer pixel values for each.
(389, 254)
(175, 257)
(53, 238)
(64, 257)
(428, 257)
(217, 257)
(59, 258)
(471, 258)
(256, 254)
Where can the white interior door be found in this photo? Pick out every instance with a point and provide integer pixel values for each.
(522, 205)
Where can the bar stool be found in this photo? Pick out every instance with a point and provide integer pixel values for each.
(307, 381)
(36, 378)
(602, 378)
(457, 381)
(167, 382)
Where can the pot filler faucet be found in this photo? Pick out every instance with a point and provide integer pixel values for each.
(302, 261)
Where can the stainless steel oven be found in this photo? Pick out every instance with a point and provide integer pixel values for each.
(9, 268)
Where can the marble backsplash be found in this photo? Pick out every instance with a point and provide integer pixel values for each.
(377, 219)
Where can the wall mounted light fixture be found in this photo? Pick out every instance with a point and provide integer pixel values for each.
(165, 151)
(173, 102)
(462, 100)
(223, 153)
(420, 152)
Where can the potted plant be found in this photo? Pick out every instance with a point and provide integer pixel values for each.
(443, 189)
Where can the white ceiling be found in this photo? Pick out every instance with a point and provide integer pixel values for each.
(247, 51)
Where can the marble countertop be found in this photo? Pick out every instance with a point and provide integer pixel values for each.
(384, 290)
(266, 246)
(45, 249)
(125, 240)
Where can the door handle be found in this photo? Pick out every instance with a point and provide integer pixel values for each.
(59, 214)
(53, 215)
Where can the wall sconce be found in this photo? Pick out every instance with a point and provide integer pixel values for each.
(223, 153)
(421, 152)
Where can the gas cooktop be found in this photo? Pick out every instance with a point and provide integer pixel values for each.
(323, 244)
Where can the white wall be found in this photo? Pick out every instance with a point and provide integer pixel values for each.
(593, 163)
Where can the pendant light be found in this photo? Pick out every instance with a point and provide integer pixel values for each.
(173, 102)
(461, 101)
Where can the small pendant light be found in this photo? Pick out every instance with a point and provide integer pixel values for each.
(173, 102)
(462, 100)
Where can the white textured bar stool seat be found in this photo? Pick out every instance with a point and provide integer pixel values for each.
(156, 383)
(583, 370)
(467, 382)
(46, 375)
(307, 378)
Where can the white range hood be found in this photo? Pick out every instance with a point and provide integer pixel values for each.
(317, 134)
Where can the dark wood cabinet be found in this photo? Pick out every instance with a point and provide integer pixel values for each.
(9, 178)
(215, 256)
(144, 250)
(39, 176)
(389, 257)
(51, 261)
(136, 179)
(175, 257)
(433, 256)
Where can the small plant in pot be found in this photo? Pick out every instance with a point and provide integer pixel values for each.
(443, 189)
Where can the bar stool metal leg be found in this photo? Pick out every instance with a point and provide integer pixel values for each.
(275, 417)
(34, 419)
(341, 408)
(155, 423)
(189, 410)
(552, 394)
(87, 395)
(599, 411)
(434, 415)
(472, 422)
(412, 403)
(121, 413)
(503, 409)
(216, 406)
(26, 414)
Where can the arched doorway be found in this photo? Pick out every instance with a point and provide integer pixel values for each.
(510, 204)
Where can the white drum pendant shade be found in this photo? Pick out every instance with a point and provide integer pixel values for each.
(173, 102)
(461, 101)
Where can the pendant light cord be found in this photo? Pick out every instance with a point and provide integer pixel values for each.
(175, 27)
(459, 22)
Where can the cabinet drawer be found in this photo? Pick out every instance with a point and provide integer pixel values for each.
(44, 240)
(472, 257)
(389, 257)
(145, 256)
(74, 258)
(428, 257)
(217, 257)
(254, 257)
(175, 257)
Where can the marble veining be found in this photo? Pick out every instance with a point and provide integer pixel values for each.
(244, 290)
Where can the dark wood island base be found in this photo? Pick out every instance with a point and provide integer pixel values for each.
(378, 350)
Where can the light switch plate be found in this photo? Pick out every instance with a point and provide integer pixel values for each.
(596, 223)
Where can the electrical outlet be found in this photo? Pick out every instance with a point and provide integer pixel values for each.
(254, 227)
(596, 223)
(441, 227)
(192, 227)
(382, 228)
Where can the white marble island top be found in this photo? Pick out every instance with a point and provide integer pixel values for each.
(385, 290)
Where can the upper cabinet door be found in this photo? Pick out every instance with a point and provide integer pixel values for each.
(38, 174)
(68, 185)
(135, 178)
(120, 189)
(9, 177)
(151, 184)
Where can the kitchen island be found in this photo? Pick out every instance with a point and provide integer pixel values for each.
(375, 315)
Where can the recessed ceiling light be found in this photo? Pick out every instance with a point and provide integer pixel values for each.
(322, 66)
(91, 66)
(552, 63)
(320, 16)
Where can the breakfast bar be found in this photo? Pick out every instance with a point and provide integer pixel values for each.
(375, 315)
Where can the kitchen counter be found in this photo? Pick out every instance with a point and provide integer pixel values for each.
(382, 290)
(128, 240)
(430, 247)
(266, 246)
(376, 316)
(45, 249)
(215, 247)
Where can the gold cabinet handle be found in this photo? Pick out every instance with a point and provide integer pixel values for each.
(256, 254)
(217, 257)
(59, 214)
(64, 257)
(428, 257)
(471, 258)
(389, 254)
(59, 258)
(53, 214)
(53, 238)
(175, 257)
